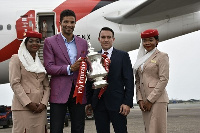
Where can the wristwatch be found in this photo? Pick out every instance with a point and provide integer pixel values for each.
(70, 69)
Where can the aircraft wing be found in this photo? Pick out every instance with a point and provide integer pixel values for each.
(155, 10)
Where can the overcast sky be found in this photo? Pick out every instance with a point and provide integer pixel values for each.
(184, 59)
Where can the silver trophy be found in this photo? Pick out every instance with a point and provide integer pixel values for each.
(96, 72)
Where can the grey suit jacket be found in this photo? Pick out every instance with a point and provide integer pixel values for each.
(151, 82)
(27, 86)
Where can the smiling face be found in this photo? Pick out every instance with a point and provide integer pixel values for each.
(106, 39)
(33, 45)
(68, 25)
(149, 43)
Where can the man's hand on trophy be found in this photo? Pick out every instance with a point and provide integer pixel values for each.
(76, 65)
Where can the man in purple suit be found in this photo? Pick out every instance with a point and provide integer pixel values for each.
(61, 60)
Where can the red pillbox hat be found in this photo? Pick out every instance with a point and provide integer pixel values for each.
(33, 34)
(149, 33)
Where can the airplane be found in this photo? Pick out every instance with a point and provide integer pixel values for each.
(128, 18)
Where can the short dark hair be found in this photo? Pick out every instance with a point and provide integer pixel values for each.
(108, 29)
(67, 13)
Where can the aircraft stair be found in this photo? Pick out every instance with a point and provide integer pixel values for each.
(40, 51)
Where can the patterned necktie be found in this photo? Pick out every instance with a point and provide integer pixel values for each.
(106, 64)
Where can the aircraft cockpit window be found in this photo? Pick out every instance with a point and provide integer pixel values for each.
(1, 27)
(8, 27)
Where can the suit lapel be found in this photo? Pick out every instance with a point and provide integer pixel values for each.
(150, 58)
(63, 47)
(112, 56)
(78, 47)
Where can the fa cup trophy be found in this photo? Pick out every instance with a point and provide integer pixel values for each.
(97, 72)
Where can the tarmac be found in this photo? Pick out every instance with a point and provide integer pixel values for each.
(182, 118)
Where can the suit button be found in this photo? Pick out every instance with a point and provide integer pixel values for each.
(38, 88)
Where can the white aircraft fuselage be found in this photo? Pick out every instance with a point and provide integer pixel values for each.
(128, 18)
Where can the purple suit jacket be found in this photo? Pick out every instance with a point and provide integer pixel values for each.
(56, 60)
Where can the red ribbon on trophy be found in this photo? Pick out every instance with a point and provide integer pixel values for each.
(106, 64)
(80, 84)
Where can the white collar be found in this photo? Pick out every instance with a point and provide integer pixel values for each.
(142, 56)
(109, 50)
(27, 60)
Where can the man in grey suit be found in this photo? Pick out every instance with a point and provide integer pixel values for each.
(113, 104)
(61, 60)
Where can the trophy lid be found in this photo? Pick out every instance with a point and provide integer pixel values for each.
(91, 50)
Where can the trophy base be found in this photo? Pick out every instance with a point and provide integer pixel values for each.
(99, 83)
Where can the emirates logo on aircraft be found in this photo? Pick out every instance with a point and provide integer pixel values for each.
(31, 16)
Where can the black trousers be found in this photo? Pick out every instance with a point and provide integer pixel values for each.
(58, 112)
(103, 118)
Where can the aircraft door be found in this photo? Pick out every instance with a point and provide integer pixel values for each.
(37, 27)
(49, 18)
(25, 23)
